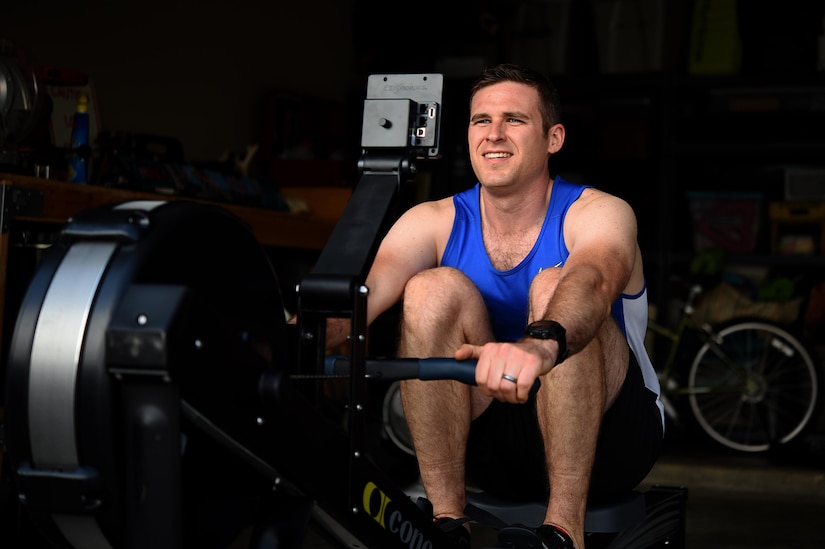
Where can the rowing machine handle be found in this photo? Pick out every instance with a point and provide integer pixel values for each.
(428, 369)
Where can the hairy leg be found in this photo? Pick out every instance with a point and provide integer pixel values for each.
(570, 405)
(441, 310)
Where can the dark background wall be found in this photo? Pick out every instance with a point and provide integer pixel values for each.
(198, 71)
(201, 71)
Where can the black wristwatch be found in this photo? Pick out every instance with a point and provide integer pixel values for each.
(549, 329)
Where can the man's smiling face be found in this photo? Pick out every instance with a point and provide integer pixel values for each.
(505, 136)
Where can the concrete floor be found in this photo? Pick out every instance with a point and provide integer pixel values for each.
(734, 501)
(738, 501)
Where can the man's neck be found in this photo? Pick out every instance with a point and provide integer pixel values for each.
(515, 212)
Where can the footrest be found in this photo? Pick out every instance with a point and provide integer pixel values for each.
(615, 516)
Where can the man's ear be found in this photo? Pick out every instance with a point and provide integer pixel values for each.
(557, 133)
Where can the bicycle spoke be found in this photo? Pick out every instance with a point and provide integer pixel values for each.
(736, 420)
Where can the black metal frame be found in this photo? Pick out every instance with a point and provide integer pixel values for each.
(404, 111)
(337, 289)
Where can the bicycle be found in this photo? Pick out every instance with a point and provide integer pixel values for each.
(751, 385)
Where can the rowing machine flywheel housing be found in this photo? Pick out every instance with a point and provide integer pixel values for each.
(140, 318)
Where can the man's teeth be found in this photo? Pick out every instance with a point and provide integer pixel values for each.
(497, 155)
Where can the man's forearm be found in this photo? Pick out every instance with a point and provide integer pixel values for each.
(580, 305)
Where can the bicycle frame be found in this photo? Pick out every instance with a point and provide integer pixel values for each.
(670, 384)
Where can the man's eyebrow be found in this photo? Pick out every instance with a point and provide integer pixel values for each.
(517, 114)
(508, 114)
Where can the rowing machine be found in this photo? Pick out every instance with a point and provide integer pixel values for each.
(150, 376)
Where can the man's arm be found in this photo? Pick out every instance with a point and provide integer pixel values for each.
(413, 244)
(600, 233)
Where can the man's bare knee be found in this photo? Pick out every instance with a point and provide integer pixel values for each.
(434, 294)
(442, 309)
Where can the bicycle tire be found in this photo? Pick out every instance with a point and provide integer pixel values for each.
(766, 396)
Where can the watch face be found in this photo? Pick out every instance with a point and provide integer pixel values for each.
(544, 329)
(549, 329)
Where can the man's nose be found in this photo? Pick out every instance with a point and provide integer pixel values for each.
(495, 131)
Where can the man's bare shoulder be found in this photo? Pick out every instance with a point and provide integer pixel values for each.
(443, 206)
(429, 223)
(595, 202)
(599, 217)
(436, 213)
(591, 194)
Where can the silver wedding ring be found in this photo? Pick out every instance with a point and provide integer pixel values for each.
(508, 377)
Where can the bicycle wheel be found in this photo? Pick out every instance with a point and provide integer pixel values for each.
(753, 385)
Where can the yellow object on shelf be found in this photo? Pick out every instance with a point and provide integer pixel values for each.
(797, 227)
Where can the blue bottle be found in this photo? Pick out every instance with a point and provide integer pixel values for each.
(78, 163)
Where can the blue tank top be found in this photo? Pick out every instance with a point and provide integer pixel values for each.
(506, 292)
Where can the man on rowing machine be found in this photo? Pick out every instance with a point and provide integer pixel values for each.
(535, 278)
